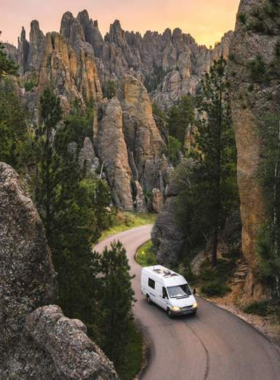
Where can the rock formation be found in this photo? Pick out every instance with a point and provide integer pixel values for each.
(170, 64)
(143, 138)
(247, 106)
(37, 341)
(88, 161)
(112, 151)
(167, 236)
(78, 61)
(129, 145)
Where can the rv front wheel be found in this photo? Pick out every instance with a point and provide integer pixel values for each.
(169, 313)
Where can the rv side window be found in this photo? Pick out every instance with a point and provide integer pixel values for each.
(164, 293)
(151, 283)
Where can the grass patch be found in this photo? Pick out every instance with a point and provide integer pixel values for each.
(124, 221)
(263, 309)
(134, 355)
(145, 255)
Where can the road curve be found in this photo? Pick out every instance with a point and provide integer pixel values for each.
(213, 345)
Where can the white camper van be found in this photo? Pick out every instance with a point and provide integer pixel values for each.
(169, 290)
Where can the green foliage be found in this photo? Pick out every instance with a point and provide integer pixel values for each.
(152, 81)
(180, 117)
(269, 261)
(208, 185)
(243, 18)
(268, 242)
(79, 124)
(116, 300)
(7, 66)
(30, 84)
(13, 125)
(263, 309)
(215, 289)
(157, 111)
(110, 89)
(145, 255)
(133, 353)
(173, 150)
(264, 19)
(74, 210)
(213, 282)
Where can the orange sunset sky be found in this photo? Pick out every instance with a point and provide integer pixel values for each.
(205, 20)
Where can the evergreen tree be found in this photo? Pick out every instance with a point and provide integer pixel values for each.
(268, 245)
(110, 89)
(13, 125)
(209, 192)
(47, 161)
(116, 302)
(215, 144)
(12, 115)
(180, 117)
(79, 123)
(7, 66)
(73, 209)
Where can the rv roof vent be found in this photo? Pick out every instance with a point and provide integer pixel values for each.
(167, 273)
(174, 274)
(157, 270)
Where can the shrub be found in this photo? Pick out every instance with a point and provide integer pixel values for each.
(259, 308)
(29, 85)
(215, 289)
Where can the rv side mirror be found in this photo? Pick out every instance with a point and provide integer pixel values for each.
(194, 291)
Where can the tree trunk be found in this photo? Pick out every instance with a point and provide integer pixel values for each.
(215, 247)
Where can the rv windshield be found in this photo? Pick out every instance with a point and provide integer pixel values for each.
(180, 291)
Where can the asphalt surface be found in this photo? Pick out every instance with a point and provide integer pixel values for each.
(213, 345)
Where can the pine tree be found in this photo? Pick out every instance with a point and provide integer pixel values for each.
(47, 160)
(73, 210)
(216, 149)
(180, 117)
(268, 244)
(117, 298)
(207, 180)
(13, 125)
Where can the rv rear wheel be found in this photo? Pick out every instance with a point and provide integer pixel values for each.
(149, 300)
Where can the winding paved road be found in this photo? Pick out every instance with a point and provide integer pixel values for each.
(214, 345)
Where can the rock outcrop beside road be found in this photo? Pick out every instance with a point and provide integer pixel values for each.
(249, 105)
(37, 341)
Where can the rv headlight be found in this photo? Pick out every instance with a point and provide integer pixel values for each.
(195, 305)
(175, 308)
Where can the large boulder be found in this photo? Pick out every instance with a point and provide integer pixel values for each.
(62, 338)
(27, 277)
(37, 341)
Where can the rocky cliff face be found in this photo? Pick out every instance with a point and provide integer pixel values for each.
(247, 106)
(170, 64)
(66, 60)
(78, 62)
(37, 341)
(130, 146)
